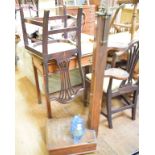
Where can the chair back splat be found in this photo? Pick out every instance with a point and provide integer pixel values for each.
(133, 57)
(58, 46)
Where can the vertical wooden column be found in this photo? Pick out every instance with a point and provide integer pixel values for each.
(133, 22)
(98, 67)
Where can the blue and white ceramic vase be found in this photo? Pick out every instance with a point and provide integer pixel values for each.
(77, 128)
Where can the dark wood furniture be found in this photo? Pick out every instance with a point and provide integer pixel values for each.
(60, 52)
(55, 50)
(88, 143)
(98, 67)
(120, 83)
(87, 42)
(125, 24)
(89, 17)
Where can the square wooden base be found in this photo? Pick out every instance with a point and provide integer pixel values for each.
(60, 142)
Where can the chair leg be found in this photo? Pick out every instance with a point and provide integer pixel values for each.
(135, 97)
(109, 113)
(86, 70)
(49, 113)
(45, 79)
(37, 84)
(86, 94)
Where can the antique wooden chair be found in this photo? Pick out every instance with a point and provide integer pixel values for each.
(57, 52)
(130, 24)
(125, 32)
(119, 83)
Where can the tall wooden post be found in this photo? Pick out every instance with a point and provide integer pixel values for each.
(133, 22)
(99, 63)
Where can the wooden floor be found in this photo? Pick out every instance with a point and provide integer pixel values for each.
(31, 118)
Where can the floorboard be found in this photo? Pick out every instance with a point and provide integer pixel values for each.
(31, 118)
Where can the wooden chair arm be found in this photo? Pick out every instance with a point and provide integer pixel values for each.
(116, 53)
(116, 73)
(115, 49)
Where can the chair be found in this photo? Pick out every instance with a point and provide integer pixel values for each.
(128, 22)
(55, 52)
(120, 83)
(125, 31)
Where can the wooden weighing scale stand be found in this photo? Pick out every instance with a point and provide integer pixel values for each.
(58, 137)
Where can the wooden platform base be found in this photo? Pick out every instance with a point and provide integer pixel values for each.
(59, 140)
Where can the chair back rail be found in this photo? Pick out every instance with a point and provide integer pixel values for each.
(43, 22)
(132, 60)
(126, 87)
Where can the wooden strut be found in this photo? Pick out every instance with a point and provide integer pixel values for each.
(99, 63)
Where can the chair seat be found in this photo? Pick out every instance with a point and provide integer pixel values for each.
(121, 39)
(55, 47)
(117, 82)
(116, 73)
(115, 85)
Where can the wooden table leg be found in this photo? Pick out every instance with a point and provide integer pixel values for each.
(46, 87)
(37, 84)
(86, 70)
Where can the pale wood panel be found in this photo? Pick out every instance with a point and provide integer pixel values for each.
(126, 15)
(31, 122)
(96, 2)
